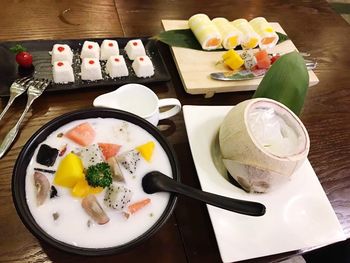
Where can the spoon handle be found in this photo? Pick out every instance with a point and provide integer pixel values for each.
(239, 206)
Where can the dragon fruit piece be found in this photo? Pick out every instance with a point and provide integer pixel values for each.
(249, 59)
(90, 155)
(117, 197)
(129, 160)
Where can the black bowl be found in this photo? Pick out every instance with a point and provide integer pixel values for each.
(18, 178)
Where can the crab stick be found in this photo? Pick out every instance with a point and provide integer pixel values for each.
(250, 37)
(268, 36)
(231, 36)
(205, 31)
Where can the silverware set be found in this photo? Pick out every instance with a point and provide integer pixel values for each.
(34, 88)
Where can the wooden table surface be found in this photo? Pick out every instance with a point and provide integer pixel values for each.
(188, 235)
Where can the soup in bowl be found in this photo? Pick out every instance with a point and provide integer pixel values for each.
(77, 182)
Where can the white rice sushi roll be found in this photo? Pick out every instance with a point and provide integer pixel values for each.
(205, 31)
(268, 36)
(231, 36)
(250, 38)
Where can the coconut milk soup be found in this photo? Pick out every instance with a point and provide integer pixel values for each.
(93, 196)
(273, 131)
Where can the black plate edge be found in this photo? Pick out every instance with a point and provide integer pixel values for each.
(165, 78)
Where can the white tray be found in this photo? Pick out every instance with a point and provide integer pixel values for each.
(298, 215)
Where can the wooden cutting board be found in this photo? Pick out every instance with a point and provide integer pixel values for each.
(194, 66)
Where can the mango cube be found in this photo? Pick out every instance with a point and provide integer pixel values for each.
(70, 171)
(82, 189)
(146, 150)
(232, 59)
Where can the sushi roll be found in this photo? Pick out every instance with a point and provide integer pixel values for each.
(250, 37)
(231, 36)
(268, 36)
(205, 31)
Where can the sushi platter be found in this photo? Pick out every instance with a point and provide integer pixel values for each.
(195, 66)
(44, 64)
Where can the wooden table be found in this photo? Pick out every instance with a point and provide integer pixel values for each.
(188, 235)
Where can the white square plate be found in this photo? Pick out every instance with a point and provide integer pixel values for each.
(298, 214)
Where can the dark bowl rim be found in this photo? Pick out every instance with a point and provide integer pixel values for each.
(18, 181)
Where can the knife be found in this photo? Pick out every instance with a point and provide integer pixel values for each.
(247, 74)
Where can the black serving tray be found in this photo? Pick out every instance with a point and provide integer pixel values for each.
(9, 70)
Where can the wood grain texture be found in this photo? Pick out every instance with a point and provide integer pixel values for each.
(25, 19)
(188, 236)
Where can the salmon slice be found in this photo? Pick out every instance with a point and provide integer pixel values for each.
(109, 149)
(82, 134)
(213, 42)
(267, 40)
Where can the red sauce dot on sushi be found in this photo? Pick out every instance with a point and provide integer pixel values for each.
(141, 59)
(134, 43)
(60, 64)
(91, 62)
(60, 49)
(110, 44)
(90, 46)
(116, 60)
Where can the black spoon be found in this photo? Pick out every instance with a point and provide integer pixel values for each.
(155, 181)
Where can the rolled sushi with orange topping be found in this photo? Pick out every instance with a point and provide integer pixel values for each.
(231, 36)
(250, 38)
(268, 36)
(205, 31)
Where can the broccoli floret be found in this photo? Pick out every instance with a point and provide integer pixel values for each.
(99, 175)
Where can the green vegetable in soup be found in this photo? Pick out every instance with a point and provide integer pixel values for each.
(99, 175)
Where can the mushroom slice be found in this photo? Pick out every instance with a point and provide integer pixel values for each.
(94, 209)
(42, 187)
(116, 172)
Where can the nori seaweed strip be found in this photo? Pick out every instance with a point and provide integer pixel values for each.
(44, 170)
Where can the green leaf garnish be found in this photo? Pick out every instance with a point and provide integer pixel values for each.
(186, 39)
(17, 49)
(99, 175)
(286, 81)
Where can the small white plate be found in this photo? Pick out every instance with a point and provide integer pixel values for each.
(298, 214)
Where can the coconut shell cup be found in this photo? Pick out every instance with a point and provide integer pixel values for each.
(253, 166)
(19, 172)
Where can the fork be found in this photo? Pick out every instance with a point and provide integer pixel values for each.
(17, 88)
(35, 89)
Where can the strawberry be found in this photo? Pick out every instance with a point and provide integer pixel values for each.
(23, 58)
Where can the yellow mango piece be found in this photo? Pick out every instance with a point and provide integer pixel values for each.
(95, 190)
(82, 189)
(233, 41)
(229, 54)
(146, 150)
(269, 29)
(70, 171)
(252, 43)
(233, 59)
